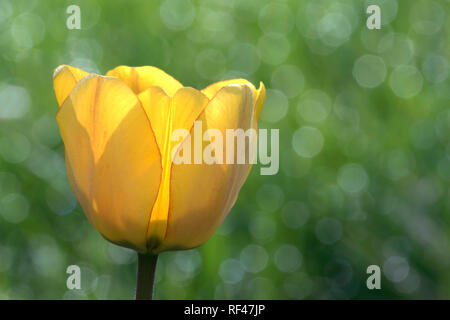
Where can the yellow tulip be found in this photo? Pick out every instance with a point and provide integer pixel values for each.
(116, 131)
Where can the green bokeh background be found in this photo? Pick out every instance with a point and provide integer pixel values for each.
(364, 125)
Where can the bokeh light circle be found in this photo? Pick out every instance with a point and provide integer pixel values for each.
(307, 141)
(275, 107)
(289, 79)
(328, 230)
(314, 105)
(406, 81)
(177, 14)
(352, 178)
(369, 71)
(288, 258)
(254, 258)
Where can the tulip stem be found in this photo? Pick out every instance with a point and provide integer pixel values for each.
(145, 276)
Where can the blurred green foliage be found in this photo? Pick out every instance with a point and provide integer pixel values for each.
(364, 125)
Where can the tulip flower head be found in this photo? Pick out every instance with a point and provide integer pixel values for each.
(117, 132)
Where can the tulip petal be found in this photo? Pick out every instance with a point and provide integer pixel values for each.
(260, 99)
(202, 194)
(65, 78)
(260, 94)
(155, 102)
(166, 115)
(113, 162)
(142, 78)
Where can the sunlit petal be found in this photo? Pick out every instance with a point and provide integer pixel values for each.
(166, 115)
(260, 94)
(202, 194)
(113, 162)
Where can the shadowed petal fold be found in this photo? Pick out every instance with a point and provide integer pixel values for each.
(142, 78)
